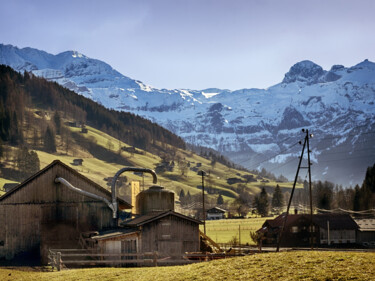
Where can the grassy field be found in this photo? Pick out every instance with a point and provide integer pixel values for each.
(222, 231)
(299, 265)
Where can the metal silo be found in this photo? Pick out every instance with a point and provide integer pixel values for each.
(155, 199)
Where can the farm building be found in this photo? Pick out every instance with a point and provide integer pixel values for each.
(157, 227)
(366, 232)
(59, 208)
(39, 213)
(215, 213)
(77, 162)
(328, 229)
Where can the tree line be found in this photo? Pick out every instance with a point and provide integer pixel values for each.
(326, 196)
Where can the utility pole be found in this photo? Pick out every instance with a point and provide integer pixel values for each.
(305, 143)
(310, 188)
(203, 173)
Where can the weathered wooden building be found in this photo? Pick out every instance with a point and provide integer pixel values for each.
(39, 213)
(327, 229)
(59, 208)
(156, 228)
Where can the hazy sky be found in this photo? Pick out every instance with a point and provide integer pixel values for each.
(198, 44)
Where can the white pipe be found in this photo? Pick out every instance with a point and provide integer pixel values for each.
(83, 192)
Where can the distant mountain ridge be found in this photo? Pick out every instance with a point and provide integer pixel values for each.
(250, 126)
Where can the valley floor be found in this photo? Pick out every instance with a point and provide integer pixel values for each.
(295, 265)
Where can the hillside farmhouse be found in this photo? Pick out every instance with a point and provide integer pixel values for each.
(328, 229)
(215, 213)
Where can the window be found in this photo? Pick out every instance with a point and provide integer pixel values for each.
(294, 229)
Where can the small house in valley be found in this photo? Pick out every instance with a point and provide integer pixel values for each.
(8, 186)
(77, 162)
(215, 213)
(325, 229)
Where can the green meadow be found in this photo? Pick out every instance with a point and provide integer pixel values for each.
(297, 265)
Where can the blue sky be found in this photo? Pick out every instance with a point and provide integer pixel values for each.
(197, 44)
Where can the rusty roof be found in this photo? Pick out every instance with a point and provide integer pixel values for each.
(150, 217)
(122, 202)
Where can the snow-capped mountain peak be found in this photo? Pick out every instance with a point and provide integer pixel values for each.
(304, 71)
(247, 125)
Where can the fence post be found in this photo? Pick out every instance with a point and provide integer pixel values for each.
(58, 261)
(155, 258)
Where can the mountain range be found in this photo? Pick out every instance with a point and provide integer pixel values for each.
(253, 127)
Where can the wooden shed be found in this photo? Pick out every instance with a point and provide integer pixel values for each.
(169, 233)
(39, 214)
(156, 228)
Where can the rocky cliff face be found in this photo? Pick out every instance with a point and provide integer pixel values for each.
(254, 127)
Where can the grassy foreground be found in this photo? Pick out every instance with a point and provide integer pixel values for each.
(300, 265)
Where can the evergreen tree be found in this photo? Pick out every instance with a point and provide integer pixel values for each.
(323, 194)
(261, 203)
(49, 141)
(277, 198)
(182, 196)
(220, 200)
(27, 162)
(16, 136)
(356, 199)
(188, 197)
(369, 181)
(1, 149)
(57, 121)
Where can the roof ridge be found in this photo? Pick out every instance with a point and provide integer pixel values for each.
(49, 166)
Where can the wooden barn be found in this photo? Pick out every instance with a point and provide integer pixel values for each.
(58, 208)
(328, 229)
(168, 233)
(39, 213)
(156, 228)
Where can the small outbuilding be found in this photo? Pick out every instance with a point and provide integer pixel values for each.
(216, 213)
(77, 162)
(156, 228)
(366, 232)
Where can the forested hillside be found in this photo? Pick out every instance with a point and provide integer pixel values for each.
(22, 91)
